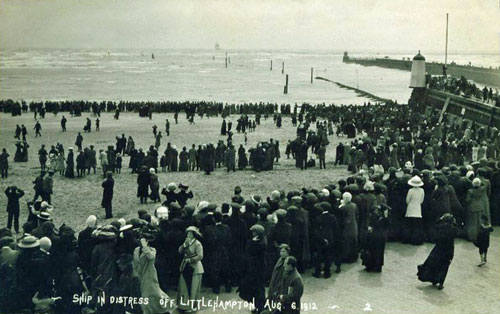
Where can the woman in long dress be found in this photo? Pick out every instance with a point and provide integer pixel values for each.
(435, 267)
(373, 252)
(476, 206)
(275, 285)
(350, 232)
(144, 266)
(191, 270)
(414, 230)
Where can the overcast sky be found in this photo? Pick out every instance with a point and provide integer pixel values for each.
(353, 25)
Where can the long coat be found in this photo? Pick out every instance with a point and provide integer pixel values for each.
(183, 164)
(294, 287)
(350, 232)
(143, 180)
(144, 266)
(476, 206)
(107, 192)
(254, 277)
(414, 200)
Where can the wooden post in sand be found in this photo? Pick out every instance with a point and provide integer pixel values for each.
(285, 90)
(312, 69)
(283, 67)
(271, 65)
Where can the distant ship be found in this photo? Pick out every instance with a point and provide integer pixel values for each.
(217, 46)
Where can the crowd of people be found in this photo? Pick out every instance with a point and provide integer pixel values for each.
(465, 88)
(414, 179)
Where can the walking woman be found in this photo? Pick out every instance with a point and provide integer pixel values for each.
(435, 267)
(476, 206)
(191, 270)
(144, 266)
(414, 230)
(373, 252)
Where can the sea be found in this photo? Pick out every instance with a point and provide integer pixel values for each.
(202, 75)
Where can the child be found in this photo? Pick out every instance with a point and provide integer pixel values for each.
(118, 163)
(163, 163)
(483, 239)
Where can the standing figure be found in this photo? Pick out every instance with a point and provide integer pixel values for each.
(191, 270)
(107, 194)
(435, 267)
(144, 266)
(79, 141)
(143, 180)
(4, 163)
(38, 128)
(13, 195)
(63, 123)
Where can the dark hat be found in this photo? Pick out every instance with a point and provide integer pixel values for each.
(183, 186)
(263, 211)
(141, 212)
(189, 209)
(258, 229)
(235, 206)
(211, 207)
(237, 190)
(125, 260)
(174, 207)
(225, 208)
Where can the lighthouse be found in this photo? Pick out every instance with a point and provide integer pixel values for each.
(418, 72)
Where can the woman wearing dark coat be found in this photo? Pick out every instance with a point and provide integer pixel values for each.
(440, 204)
(70, 164)
(154, 185)
(276, 283)
(297, 236)
(242, 158)
(174, 162)
(107, 194)
(143, 180)
(373, 252)
(183, 158)
(435, 267)
(253, 283)
(237, 245)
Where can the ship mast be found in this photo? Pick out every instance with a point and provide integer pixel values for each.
(446, 46)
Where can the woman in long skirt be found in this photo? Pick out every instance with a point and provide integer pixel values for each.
(476, 206)
(191, 271)
(144, 266)
(373, 252)
(435, 267)
(275, 285)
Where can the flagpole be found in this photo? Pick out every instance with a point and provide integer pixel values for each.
(446, 47)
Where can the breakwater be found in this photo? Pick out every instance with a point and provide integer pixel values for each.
(358, 91)
(486, 76)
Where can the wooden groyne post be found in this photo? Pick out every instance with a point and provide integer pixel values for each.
(283, 68)
(312, 70)
(285, 90)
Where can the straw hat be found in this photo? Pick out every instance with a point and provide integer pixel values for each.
(476, 182)
(29, 242)
(194, 230)
(172, 186)
(162, 212)
(415, 181)
(44, 216)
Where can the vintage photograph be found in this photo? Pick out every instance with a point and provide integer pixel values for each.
(258, 156)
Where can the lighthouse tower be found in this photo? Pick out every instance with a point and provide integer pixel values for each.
(418, 72)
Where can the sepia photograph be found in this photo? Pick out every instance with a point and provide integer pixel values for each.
(249, 156)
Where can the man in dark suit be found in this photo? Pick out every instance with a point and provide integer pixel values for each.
(107, 194)
(13, 194)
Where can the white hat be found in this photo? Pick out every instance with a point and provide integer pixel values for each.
(415, 181)
(470, 174)
(325, 192)
(476, 182)
(408, 164)
(162, 212)
(91, 221)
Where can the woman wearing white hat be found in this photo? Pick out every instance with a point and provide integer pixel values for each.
(414, 232)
